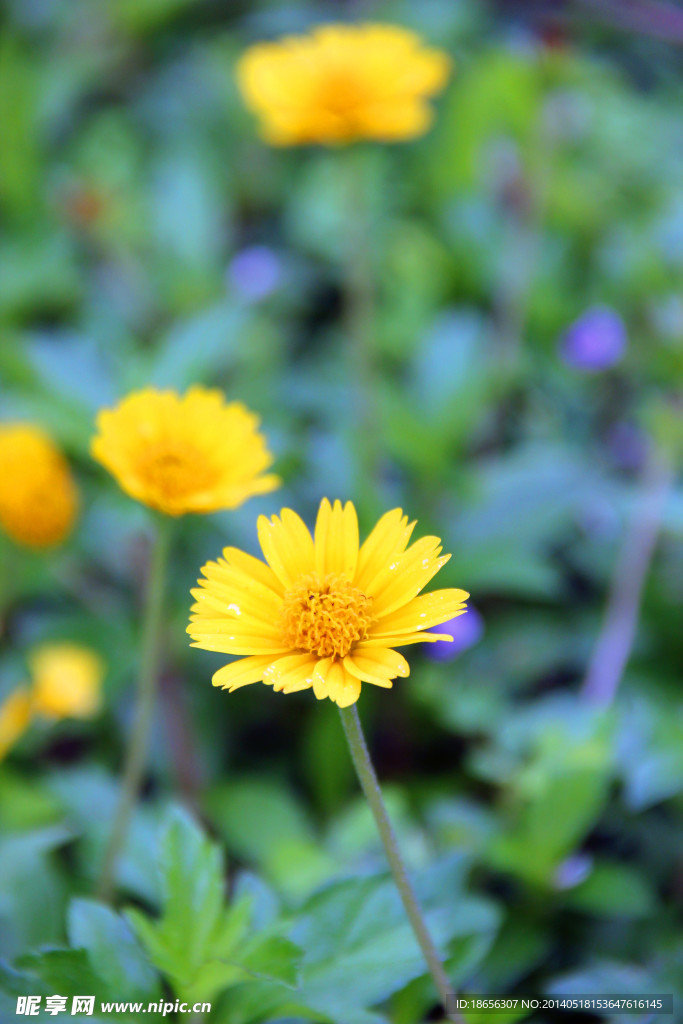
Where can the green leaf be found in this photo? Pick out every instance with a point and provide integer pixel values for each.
(558, 796)
(262, 1001)
(13, 982)
(31, 890)
(64, 971)
(273, 958)
(614, 890)
(192, 887)
(262, 821)
(250, 813)
(20, 142)
(199, 943)
(357, 929)
(497, 96)
(25, 803)
(113, 952)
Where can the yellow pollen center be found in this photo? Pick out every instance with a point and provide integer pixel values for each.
(176, 469)
(341, 92)
(325, 615)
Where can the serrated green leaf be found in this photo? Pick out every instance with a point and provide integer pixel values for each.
(199, 942)
(113, 952)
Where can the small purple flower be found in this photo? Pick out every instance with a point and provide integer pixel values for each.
(572, 871)
(596, 341)
(466, 630)
(255, 272)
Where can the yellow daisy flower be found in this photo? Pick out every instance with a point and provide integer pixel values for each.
(184, 453)
(66, 681)
(342, 83)
(324, 612)
(38, 496)
(15, 715)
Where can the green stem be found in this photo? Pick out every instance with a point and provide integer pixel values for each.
(136, 753)
(618, 633)
(360, 316)
(9, 573)
(370, 786)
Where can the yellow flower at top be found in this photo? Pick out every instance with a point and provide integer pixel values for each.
(343, 83)
(15, 715)
(38, 496)
(66, 681)
(184, 453)
(323, 611)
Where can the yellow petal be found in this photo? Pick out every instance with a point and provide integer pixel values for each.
(423, 612)
(376, 665)
(369, 69)
(235, 644)
(320, 673)
(184, 453)
(342, 688)
(407, 575)
(241, 672)
(219, 600)
(293, 672)
(287, 546)
(253, 569)
(224, 578)
(392, 121)
(386, 541)
(234, 627)
(336, 539)
(400, 640)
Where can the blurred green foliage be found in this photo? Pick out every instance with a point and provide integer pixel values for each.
(148, 236)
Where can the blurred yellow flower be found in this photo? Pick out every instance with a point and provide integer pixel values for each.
(66, 681)
(15, 715)
(38, 496)
(323, 612)
(342, 83)
(184, 453)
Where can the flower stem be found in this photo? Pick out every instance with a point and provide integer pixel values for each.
(11, 578)
(370, 786)
(359, 302)
(136, 753)
(617, 636)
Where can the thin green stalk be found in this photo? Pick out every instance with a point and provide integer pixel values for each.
(360, 318)
(360, 756)
(5, 576)
(11, 568)
(136, 752)
(618, 633)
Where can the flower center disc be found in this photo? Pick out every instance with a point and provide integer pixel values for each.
(340, 92)
(325, 615)
(175, 470)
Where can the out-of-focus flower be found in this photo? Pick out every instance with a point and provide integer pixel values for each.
(466, 630)
(627, 444)
(323, 612)
(255, 272)
(38, 496)
(66, 680)
(184, 453)
(15, 715)
(342, 83)
(596, 341)
(572, 871)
